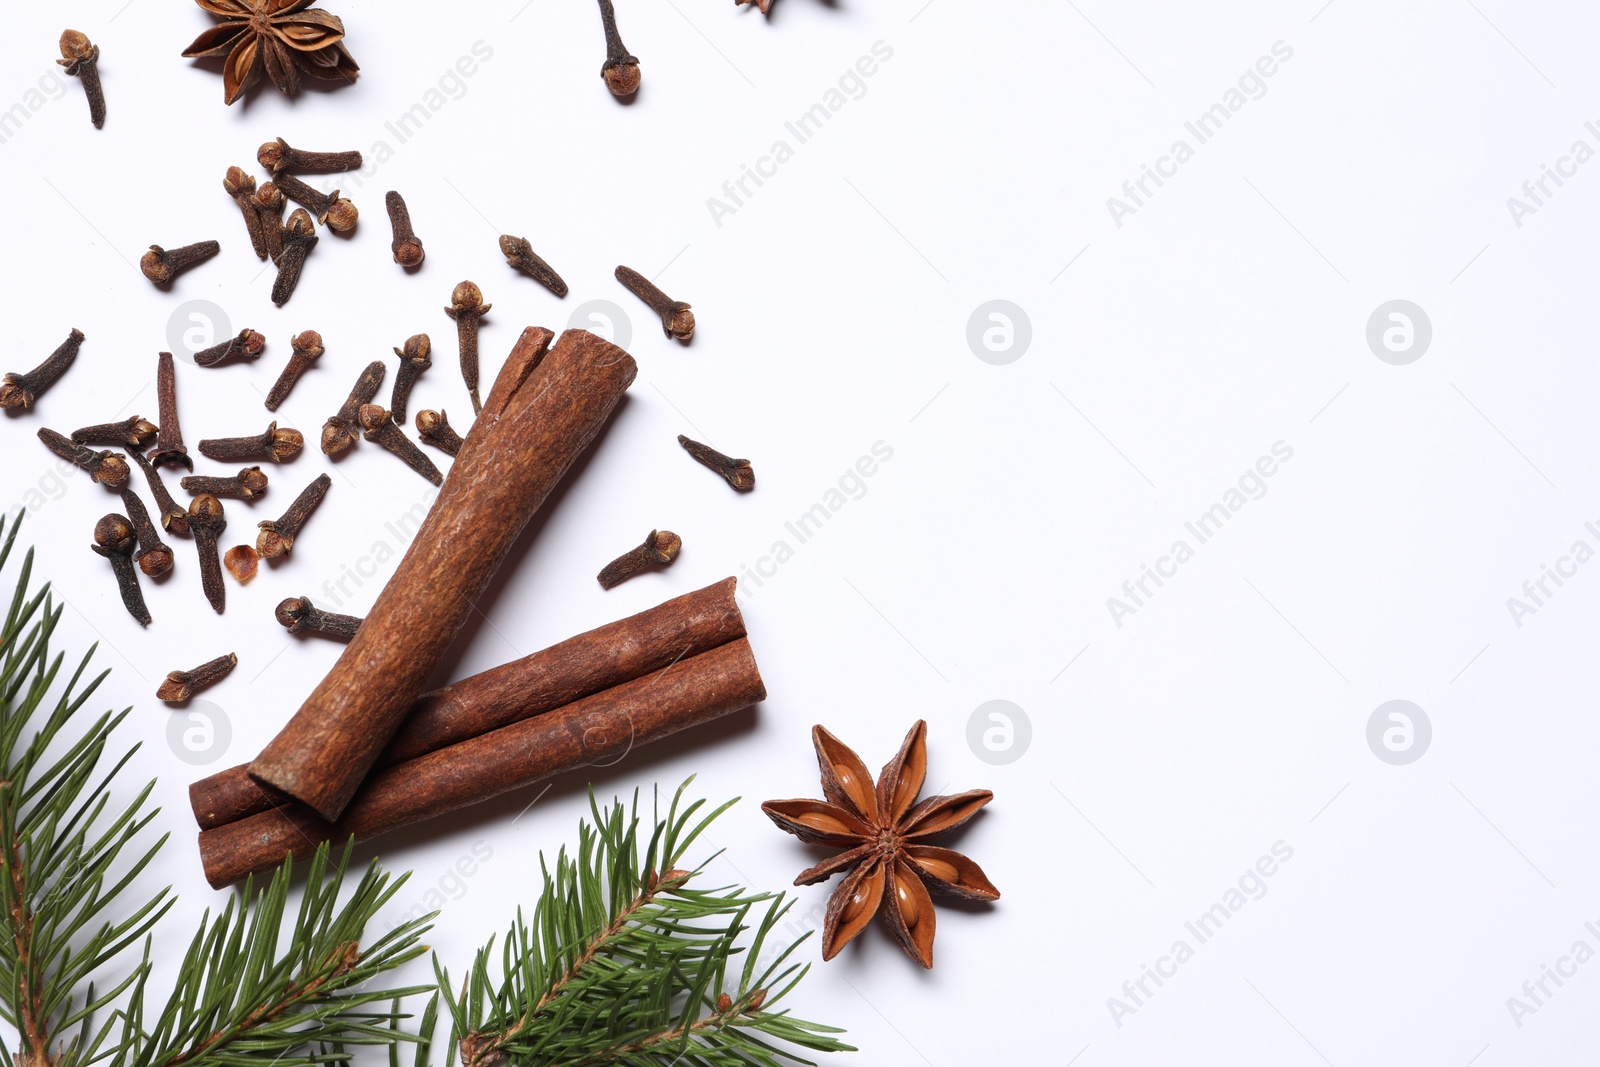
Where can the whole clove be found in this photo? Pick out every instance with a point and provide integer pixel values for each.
(342, 428)
(206, 522)
(273, 444)
(305, 349)
(467, 308)
(434, 428)
(113, 539)
(676, 318)
(169, 436)
(241, 562)
(240, 185)
(181, 685)
(621, 69)
(660, 548)
(132, 432)
(279, 157)
(521, 256)
(737, 472)
(247, 345)
(299, 236)
(173, 517)
(330, 209)
(269, 204)
(21, 390)
(413, 361)
(154, 557)
(248, 484)
(406, 246)
(278, 535)
(110, 469)
(379, 428)
(81, 59)
(301, 616)
(161, 265)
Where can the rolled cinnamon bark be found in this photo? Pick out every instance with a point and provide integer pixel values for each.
(547, 405)
(595, 731)
(577, 667)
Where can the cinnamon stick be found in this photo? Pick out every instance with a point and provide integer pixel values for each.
(577, 667)
(547, 405)
(597, 730)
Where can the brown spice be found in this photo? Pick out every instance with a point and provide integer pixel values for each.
(161, 265)
(406, 246)
(299, 237)
(114, 539)
(330, 209)
(169, 437)
(413, 361)
(278, 535)
(434, 428)
(595, 731)
(240, 185)
(247, 345)
(578, 667)
(621, 69)
(282, 40)
(154, 557)
(521, 256)
(173, 517)
(206, 522)
(181, 685)
(278, 156)
(132, 432)
(81, 59)
(737, 472)
(273, 444)
(241, 561)
(299, 615)
(248, 484)
(660, 548)
(110, 469)
(269, 205)
(21, 390)
(536, 427)
(380, 428)
(306, 349)
(467, 308)
(676, 318)
(342, 428)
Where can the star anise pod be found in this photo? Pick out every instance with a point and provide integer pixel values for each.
(764, 5)
(884, 833)
(285, 38)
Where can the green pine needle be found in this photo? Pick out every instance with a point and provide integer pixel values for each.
(623, 963)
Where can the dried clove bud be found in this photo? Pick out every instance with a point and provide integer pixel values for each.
(341, 429)
(241, 561)
(434, 428)
(521, 256)
(406, 246)
(154, 557)
(300, 616)
(247, 345)
(278, 157)
(113, 539)
(381, 429)
(413, 361)
(660, 548)
(277, 536)
(173, 517)
(181, 685)
(306, 349)
(81, 59)
(330, 209)
(269, 205)
(620, 70)
(110, 469)
(737, 472)
(241, 186)
(21, 390)
(161, 265)
(467, 308)
(676, 318)
(132, 432)
(248, 484)
(169, 437)
(299, 238)
(206, 522)
(273, 444)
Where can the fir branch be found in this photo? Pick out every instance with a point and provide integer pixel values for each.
(624, 963)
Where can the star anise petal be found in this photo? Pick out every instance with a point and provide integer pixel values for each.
(215, 41)
(227, 9)
(831, 866)
(950, 872)
(909, 911)
(331, 64)
(845, 779)
(902, 777)
(281, 67)
(852, 906)
(275, 8)
(938, 815)
(242, 69)
(309, 31)
(817, 822)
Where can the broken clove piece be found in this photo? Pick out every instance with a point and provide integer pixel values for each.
(521, 256)
(299, 615)
(660, 548)
(181, 685)
(241, 561)
(273, 444)
(737, 472)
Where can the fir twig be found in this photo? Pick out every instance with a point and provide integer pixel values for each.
(624, 963)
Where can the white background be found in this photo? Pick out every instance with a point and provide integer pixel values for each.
(1168, 353)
